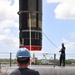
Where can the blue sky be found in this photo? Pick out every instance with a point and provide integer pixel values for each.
(58, 24)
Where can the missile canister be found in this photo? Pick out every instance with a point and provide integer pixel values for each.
(30, 24)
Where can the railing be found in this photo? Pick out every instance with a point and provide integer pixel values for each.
(38, 58)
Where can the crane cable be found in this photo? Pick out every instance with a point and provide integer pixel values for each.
(49, 40)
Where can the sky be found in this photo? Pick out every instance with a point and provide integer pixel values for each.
(58, 25)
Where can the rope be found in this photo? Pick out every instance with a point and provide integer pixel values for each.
(50, 40)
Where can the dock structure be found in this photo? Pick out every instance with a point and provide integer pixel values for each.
(45, 70)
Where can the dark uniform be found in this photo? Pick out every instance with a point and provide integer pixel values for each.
(24, 71)
(62, 55)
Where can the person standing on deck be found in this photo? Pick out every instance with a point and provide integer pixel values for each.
(62, 55)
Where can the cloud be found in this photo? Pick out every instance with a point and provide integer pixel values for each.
(70, 46)
(8, 23)
(8, 39)
(7, 11)
(65, 11)
(72, 35)
(9, 26)
(60, 1)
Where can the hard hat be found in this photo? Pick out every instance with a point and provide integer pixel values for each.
(63, 44)
(23, 53)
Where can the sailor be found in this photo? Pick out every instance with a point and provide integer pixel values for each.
(62, 55)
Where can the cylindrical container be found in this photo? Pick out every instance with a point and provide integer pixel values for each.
(30, 24)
